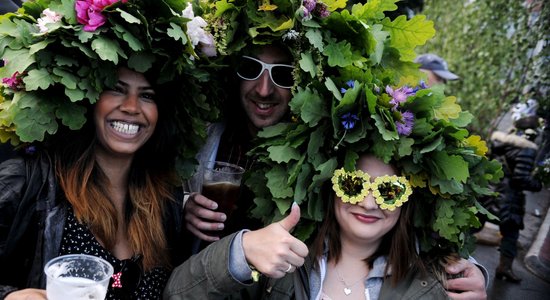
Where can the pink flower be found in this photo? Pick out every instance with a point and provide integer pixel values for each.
(14, 82)
(88, 12)
(48, 17)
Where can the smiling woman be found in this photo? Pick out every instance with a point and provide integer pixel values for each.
(106, 114)
(126, 114)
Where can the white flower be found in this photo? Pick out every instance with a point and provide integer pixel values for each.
(291, 35)
(196, 32)
(49, 17)
(208, 49)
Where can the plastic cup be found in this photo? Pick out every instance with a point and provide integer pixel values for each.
(77, 277)
(221, 183)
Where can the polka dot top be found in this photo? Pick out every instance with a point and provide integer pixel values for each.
(77, 238)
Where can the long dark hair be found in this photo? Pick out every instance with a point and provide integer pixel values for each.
(399, 244)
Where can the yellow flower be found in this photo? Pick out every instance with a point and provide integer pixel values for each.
(351, 187)
(267, 6)
(479, 144)
(391, 191)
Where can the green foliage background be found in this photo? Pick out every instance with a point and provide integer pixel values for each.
(498, 48)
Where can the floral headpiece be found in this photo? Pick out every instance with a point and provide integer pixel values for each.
(60, 54)
(357, 90)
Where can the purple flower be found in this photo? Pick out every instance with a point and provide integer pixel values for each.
(405, 125)
(349, 120)
(310, 4)
(30, 150)
(88, 12)
(422, 86)
(399, 95)
(322, 10)
(14, 82)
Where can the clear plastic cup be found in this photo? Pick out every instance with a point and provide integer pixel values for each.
(77, 276)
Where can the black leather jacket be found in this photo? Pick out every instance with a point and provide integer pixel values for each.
(32, 219)
(517, 156)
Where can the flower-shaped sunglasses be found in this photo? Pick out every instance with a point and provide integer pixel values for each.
(389, 191)
(251, 68)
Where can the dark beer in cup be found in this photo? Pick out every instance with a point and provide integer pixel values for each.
(224, 193)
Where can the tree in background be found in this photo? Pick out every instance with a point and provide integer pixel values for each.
(499, 48)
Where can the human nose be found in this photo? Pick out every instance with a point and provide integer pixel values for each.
(130, 104)
(264, 86)
(368, 202)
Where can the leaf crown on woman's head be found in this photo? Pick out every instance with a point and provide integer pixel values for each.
(60, 54)
(357, 90)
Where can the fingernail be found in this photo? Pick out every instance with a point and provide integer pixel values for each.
(215, 206)
(223, 218)
(220, 226)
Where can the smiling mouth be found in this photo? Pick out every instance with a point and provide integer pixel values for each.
(125, 128)
(265, 105)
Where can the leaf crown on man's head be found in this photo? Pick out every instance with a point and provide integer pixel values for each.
(357, 90)
(60, 54)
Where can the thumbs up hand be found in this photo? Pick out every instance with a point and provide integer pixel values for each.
(272, 250)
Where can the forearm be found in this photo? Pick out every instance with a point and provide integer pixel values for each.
(205, 275)
(5, 290)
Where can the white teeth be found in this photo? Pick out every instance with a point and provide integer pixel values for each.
(265, 105)
(125, 128)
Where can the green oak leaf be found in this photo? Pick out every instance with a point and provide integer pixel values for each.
(301, 183)
(407, 34)
(66, 78)
(335, 4)
(107, 49)
(37, 79)
(380, 36)
(309, 105)
(75, 95)
(283, 205)
(16, 61)
(315, 38)
(331, 86)
(32, 121)
(307, 64)
(283, 153)
(72, 115)
(448, 109)
(373, 9)
(453, 167)
(339, 54)
(276, 182)
(128, 17)
(325, 170)
(141, 61)
(177, 33)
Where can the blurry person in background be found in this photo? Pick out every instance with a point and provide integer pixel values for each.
(436, 68)
(7, 6)
(517, 152)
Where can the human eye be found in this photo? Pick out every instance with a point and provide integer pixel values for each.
(117, 89)
(148, 96)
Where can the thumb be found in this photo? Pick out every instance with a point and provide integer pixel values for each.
(292, 219)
